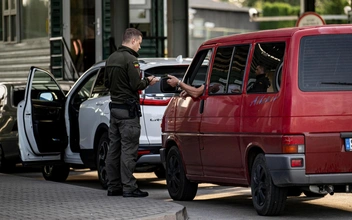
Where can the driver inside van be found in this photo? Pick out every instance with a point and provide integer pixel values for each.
(262, 83)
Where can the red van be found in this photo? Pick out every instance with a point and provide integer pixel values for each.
(292, 137)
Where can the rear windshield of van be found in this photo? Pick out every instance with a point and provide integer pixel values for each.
(325, 63)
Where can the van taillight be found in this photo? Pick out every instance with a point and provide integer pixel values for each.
(293, 144)
(155, 102)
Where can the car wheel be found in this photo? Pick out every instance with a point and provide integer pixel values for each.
(179, 187)
(267, 198)
(101, 156)
(57, 173)
(160, 172)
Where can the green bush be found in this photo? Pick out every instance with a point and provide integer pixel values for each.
(278, 9)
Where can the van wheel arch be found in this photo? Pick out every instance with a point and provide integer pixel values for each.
(251, 155)
(169, 144)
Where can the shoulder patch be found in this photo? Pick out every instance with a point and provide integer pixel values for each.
(136, 64)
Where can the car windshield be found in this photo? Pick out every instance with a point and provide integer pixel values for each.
(161, 71)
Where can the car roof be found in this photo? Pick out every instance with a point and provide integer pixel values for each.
(146, 63)
(281, 32)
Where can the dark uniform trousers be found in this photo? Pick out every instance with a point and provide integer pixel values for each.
(123, 150)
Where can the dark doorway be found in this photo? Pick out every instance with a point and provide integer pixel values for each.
(83, 34)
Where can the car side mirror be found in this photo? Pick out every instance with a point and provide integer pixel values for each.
(166, 88)
(47, 96)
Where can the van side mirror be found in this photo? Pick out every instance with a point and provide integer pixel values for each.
(166, 88)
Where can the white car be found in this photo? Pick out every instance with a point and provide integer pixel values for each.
(59, 132)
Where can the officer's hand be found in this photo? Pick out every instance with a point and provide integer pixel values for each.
(153, 80)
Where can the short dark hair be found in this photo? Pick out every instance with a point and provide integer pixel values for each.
(130, 33)
(262, 66)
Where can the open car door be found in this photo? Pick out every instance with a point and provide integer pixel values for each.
(41, 120)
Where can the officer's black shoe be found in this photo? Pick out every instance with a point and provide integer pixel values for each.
(115, 193)
(136, 193)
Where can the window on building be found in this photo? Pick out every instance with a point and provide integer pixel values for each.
(35, 26)
(8, 20)
(1, 25)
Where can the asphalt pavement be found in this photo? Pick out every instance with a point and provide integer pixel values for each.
(33, 199)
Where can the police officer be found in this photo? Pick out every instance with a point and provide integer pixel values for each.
(262, 82)
(123, 79)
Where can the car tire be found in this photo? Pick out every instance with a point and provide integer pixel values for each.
(57, 173)
(160, 173)
(102, 152)
(267, 198)
(179, 187)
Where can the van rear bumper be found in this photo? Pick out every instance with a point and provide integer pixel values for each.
(284, 175)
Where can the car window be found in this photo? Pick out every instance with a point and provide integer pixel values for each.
(99, 88)
(18, 94)
(160, 71)
(84, 91)
(220, 70)
(325, 63)
(196, 74)
(228, 69)
(43, 83)
(65, 86)
(270, 57)
(238, 68)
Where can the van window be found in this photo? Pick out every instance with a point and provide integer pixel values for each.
(267, 57)
(227, 76)
(325, 63)
(220, 70)
(197, 72)
(238, 68)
